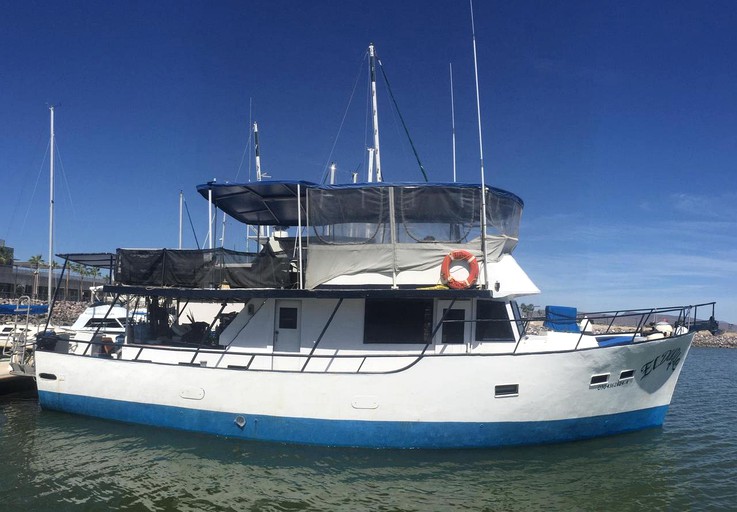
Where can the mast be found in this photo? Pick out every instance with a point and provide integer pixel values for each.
(51, 206)
(481, 154)
(256, 150)
(374, 154)
(263, 231)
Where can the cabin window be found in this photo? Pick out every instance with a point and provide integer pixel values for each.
(454, 325)
(397, 321)
(518, 318)
(288, 318)
(104, 323)
(492, 321)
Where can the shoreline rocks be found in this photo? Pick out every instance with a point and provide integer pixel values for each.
(721, 340)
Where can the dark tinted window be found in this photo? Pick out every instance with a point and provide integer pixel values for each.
(492, 321)
(288, 318)
(453, 325)
(397, 321)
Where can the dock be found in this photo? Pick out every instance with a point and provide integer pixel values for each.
(14, 383)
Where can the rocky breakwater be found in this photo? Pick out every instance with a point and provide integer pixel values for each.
(65, 313)
(720, 340)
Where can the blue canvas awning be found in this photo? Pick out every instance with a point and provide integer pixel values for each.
(276, 203)
(13, 309)
(264, 203)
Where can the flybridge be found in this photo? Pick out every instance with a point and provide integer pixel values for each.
(374, 229)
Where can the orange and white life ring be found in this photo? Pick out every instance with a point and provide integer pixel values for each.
(473, 269)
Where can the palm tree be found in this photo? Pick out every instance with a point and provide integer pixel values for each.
(35, 262)
(66, 287)
(83, 272)
(6, 256)
(76, 268)
(95, 273)
(53, 266)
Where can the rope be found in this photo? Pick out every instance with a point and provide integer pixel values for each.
(66, 181)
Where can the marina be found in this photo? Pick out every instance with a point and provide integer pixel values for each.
(409, 322)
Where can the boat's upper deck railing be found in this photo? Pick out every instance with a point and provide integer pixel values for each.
(408, 213)
(633, 323)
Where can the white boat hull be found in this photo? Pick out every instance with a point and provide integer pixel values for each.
(442, 401)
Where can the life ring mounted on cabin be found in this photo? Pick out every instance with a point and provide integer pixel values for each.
(473, 269)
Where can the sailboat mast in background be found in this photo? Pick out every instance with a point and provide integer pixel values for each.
(51, 206)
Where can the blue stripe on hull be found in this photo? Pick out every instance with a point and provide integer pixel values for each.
(374, 434)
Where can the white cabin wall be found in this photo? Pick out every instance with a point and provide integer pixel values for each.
(345, 331)
(252, 331)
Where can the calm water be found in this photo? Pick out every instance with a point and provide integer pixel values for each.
(54, 461)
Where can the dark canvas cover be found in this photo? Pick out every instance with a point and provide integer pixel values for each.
(202, 268)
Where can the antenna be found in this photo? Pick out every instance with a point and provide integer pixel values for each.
(181, 200)
(481, 153)
(453, 121)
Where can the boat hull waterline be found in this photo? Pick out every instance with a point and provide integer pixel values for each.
(441, 402)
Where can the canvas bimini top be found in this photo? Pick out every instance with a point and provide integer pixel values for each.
(293, 203)
(376, 228)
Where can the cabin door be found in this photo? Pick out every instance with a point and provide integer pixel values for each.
(455, 333)
(287, 321)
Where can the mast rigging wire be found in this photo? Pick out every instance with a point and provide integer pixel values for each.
(342, 121)
(404, 125)
(35, 186)
(191, 224)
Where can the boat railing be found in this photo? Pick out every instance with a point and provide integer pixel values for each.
(20, 347)
(638, 324)
(631, 324)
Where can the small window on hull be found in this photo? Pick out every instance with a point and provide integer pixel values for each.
(505, 390)
(627, 374)
(597, 380)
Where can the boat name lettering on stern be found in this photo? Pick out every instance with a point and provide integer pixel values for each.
(670, 358)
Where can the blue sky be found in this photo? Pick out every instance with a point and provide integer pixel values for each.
(616, 122)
